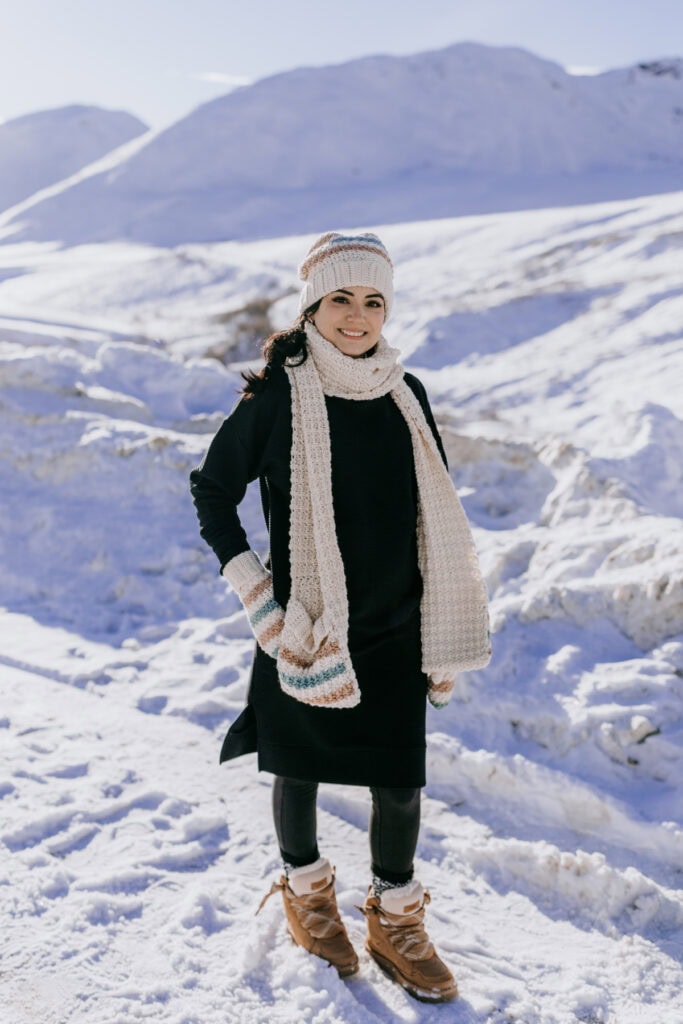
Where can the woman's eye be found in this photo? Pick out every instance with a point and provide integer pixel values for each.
(339, 298)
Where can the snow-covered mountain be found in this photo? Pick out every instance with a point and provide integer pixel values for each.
(40, 149)
(551, 343)
(470, 128)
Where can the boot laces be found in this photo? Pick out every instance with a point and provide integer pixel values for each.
(408, 937)
(317, 911)
(318, 914)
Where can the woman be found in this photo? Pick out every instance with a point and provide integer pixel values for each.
(370, 602)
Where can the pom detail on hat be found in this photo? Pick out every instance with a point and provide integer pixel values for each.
(341, 261)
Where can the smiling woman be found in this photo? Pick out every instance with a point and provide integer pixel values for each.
(370, 601)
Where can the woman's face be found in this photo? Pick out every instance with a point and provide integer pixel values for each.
(351, 318)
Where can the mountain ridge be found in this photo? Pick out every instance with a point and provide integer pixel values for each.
(466, 129)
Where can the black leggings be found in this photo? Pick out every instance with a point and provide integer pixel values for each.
(394, 825)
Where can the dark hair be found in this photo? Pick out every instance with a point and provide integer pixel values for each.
(281, 346)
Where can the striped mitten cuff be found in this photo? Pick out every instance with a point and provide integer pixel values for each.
(254, 586)
(440, 693)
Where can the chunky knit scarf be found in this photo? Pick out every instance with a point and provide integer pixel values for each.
(313, 661)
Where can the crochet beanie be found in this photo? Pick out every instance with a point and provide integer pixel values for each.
(341, 261)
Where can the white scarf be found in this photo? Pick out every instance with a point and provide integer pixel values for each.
(313, 662)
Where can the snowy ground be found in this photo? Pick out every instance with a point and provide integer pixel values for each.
(130, 865)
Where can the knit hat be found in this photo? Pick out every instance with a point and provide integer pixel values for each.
(341, 261)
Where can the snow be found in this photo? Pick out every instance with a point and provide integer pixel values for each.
(42, 148)
(131, 865)
(466, 129)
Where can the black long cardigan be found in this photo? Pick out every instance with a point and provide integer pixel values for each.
(382, 740)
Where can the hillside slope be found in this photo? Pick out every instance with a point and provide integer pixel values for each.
(470, 128)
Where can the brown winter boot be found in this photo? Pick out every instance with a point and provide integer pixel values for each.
(397, 941)
(312, 916)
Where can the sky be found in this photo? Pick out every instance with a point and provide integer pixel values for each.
(159, 59)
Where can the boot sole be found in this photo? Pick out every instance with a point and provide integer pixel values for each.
(424, 995)
(344, 972)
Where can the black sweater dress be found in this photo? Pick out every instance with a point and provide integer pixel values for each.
(381, 741)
